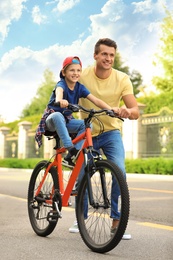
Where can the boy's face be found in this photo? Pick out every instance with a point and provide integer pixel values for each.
(105, 57)
(72, 72)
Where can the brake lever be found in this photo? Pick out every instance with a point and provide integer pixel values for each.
(111, 113)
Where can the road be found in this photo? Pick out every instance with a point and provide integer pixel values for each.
(150, 223)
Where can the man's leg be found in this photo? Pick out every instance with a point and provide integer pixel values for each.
(112, 146)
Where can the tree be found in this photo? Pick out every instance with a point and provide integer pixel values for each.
(136, 79)
(39, 102)
(155, 102)
(165, 56)
(135, 76)
(118, 64)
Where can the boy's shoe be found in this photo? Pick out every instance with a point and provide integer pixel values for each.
(74, 228)
(70, 158)
(68, 163)
(126, 236)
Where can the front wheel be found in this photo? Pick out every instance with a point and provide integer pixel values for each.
(103, 196)
(43, 217)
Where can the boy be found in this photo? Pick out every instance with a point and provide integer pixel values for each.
(69, 90)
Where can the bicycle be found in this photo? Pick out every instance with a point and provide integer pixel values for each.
(47, 192)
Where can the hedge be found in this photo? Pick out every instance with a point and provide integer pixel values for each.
(159, 165)
(19, 163)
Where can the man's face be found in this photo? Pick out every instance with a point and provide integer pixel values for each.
(105, 57)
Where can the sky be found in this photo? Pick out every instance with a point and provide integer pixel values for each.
(36, 35)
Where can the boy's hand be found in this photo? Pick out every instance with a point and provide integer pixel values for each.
(63, 103)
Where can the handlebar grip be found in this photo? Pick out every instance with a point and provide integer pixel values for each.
(57, 104)
(73, 107)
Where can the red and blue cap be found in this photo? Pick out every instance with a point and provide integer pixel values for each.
(68, 61)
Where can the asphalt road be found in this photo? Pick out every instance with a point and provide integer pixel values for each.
(150, 223)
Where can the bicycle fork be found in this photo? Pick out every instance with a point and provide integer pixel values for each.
(89, 169)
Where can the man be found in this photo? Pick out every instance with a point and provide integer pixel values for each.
(111, 86)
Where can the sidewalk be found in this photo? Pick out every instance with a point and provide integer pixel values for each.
(129, 175)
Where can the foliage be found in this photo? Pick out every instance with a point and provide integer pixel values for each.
(118, 64)
(159, 165)
(147, 166)
(136, 79)
(19, 163)
(13, 126)
(34, 119)
(135, 76)
(38, 103)
(165, 56)
(155, 102)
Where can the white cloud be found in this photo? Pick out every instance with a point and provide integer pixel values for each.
(149, 6)
(143, 7)
(65, 5)
(38, 18)
(105, 22)
(10, 10)
(154, 26)
(136, 33)
(51, 2)
(19, 77)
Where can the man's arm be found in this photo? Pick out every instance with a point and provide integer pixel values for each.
(131, 110)
(98, 102)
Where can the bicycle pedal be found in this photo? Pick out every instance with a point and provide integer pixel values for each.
(53, 216)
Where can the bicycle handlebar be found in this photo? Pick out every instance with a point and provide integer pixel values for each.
(77, 108)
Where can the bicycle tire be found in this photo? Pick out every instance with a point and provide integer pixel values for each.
(95, 228)
(38, 211)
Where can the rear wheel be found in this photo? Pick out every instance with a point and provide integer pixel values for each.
(43, 216)
(95, 221)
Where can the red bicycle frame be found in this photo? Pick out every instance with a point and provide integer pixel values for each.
(66, 191)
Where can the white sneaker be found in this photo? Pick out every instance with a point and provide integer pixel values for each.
(74, 228)
(126, 236)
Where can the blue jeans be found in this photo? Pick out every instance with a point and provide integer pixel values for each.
(56, 122)
(112, 146)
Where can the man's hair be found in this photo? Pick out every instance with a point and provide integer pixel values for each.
(104, 41)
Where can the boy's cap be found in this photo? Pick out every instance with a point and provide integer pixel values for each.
(68, 61)
(71, 60)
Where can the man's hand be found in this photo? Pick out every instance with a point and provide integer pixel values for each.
(122, 111)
